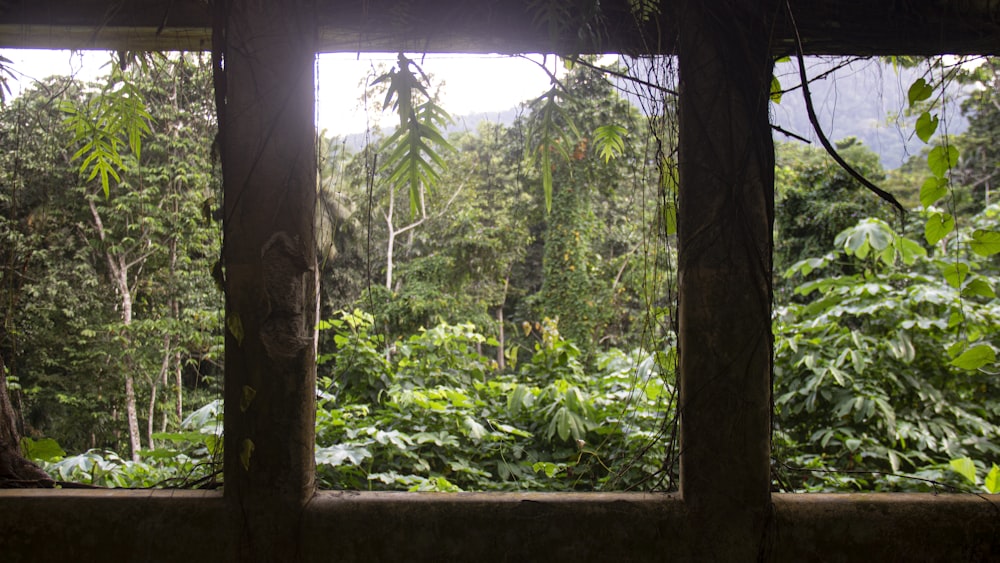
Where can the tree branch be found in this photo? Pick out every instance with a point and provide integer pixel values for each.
(819, 130)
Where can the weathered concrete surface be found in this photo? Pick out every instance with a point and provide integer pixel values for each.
(268, 146)
(191, 526)
(496, 527)
(886, 528)
(725, 223)
(38, 526)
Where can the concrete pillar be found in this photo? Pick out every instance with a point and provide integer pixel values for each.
(269, 169)
(726, 210)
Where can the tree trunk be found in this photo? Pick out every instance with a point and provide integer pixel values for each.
(15, 470)
(179, 382)
(118, 268)
(153, 386)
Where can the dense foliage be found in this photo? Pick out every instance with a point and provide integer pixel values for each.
(497, 301)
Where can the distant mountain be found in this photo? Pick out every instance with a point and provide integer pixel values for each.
(860, 101)
(354, 142)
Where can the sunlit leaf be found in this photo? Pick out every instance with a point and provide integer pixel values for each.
(938, 226)
(338, 454)
(775, 89)
(964, 467)
(992, 481)
(975, 357)
(932, 190)
(926, 126)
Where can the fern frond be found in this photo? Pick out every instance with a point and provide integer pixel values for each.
(104, 125)
(552, 131)
(415, 145)
(609, 141)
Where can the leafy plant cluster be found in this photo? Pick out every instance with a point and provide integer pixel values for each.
(888, 367)
(189, 457)
(433, 413)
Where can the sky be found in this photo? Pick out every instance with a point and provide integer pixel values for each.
(471, 83)
(854, 102)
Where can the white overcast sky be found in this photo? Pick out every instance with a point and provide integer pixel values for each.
(472, 83)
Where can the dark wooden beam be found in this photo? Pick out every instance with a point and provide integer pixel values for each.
(833, 27)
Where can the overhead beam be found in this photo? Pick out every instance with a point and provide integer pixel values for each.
(827, 27)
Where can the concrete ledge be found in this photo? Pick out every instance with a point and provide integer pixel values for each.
(190, 526)
(886, 527)
(496, 527)
(111, 525)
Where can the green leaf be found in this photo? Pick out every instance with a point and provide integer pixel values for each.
(955, 273)
(609, 141)
(938, 226)
(941, 159)
(248, 394)
(409, 155)
(964, 467)
(909, 250)
(926, 126)
(985, 243)
(246, 452)
(549, 468)
(975, 357)
(868, 234)
(338, 454)
(775, 89)
(978, 287)
(919, 91)
(992, 481)
(932, 190)
(45, 449)
(510, 429)
(475, 430)
(235, 326)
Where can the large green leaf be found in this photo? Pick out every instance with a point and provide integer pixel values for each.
(932, 190)
(978, 287)
(975, 357)
(926, 126)
(938, 226)
(338, 454)
(919, 91)
(964, 467)
(954, 273)
(941, 159)
(992, 481)
(45, 449)
(985, 243)
(868, 235)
